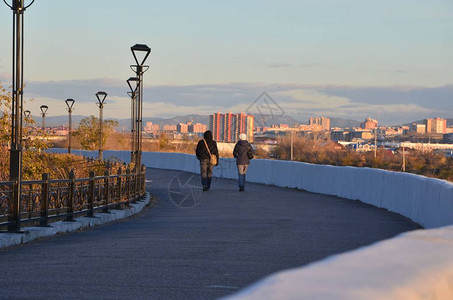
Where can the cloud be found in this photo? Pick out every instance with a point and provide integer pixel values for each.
(278, 66)
(312, 65)
(388, 104)
(5, 78)
(286, 65)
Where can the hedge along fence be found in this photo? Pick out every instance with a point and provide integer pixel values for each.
(427, 201)
(46, 200)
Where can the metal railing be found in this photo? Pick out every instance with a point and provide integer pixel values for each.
(43, 201)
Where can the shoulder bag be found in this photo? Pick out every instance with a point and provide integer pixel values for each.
(212, 157)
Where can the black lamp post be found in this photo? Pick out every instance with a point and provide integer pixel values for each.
(101, 98)
(44, 109)
(133, 85)
(15, 169)
(70, 109)
(140, 53)
(27, 114)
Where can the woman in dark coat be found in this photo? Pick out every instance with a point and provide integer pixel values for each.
(243, 153)
(205, 159)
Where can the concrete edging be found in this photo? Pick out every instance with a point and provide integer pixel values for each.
(32, 233)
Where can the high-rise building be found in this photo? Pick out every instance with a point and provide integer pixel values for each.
(229, 134)
(321, 121)
(182, 128)
(169, 128)
(151, 128)
(436, 125)
(418, 128)
(250, 123)
(241, 123)
(216, 125)
(197, 128)
(369, 124)
(227, 127)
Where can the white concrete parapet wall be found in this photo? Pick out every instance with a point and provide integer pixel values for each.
(412, 266)
(415, 265)
(426, 201)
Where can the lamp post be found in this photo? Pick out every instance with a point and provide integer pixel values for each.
(44, 109)
(101, 98)
(27, 114)
(70, 109)
(140, 53)
(15, 170)
(133, 85)
(292, 145)
(375, 142)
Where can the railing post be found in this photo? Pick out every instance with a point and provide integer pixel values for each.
(136, 176)
(143, 191)
(45, 187)
(15, 216)
(71, 196)
(106, 191)
(120, 189)
(91, 195)
(128, 184)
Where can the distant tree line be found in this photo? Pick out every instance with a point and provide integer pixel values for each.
(325, 151)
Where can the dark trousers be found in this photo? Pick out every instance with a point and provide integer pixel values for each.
(206, 172)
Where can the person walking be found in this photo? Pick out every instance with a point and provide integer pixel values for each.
(208, 155)
(243, 153)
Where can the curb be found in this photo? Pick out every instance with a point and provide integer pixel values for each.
(32, 233)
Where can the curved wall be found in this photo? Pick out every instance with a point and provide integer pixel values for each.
(426, 201)
(415, 265)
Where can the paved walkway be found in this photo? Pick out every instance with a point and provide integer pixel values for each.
(223, 243)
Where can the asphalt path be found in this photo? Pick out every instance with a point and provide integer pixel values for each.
(194, 245)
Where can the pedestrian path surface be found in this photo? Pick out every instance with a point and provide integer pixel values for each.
(193, 244)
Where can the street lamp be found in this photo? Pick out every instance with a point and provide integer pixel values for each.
(17, 104)
(69, 104)
(140, 53)
(101, 98)
(27, 114)
(44, 109)
(133, 94)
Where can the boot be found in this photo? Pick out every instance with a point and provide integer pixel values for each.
(241, 181)
(208, 182)
(204, 183)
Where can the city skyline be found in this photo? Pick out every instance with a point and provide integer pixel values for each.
(350, 59)
(61, 120)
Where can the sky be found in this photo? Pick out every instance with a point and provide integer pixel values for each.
(391, 60)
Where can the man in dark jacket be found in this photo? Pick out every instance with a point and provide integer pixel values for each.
(203, 156)
(243, 153)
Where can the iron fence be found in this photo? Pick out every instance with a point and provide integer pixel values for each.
(46, 200)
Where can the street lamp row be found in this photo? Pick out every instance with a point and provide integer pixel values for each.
(17, 108)
(140, 53)
(70, 108)
(101, 101)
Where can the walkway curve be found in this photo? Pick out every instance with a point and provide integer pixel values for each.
(225, 242)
